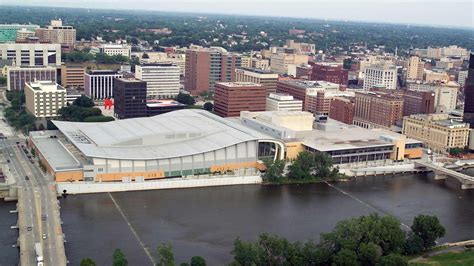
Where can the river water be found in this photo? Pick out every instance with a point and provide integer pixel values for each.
(205, 221)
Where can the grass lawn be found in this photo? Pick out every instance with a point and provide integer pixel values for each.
(465, 258)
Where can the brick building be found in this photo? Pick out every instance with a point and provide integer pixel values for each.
(230, 98)
(377, 109)
(342, 109)
(329, 72)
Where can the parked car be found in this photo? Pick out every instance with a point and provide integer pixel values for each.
(44, 236)
(27, 177)
(29, 228)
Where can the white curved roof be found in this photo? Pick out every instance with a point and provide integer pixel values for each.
(174, 134)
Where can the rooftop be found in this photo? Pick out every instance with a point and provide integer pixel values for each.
(163, 103)
(309, 84)
(239, 84)
(45, 86)
(258, 70)
(103, 72)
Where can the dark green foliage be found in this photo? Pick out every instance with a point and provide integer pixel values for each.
(345, 257)
(119, 258)
(413, 244)
(100, 118)
(185, 99)
(87, 262)
(369, 253)
(83, 101)
(392, 260)
(308, 165)
(165, 251)
(208, 106)
(274, 171)
(3, 81)
(78, 114)
(245, 253)
(198, 261)
(428, 228)
(456, 151)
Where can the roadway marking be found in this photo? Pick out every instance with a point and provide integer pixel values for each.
(147, 251)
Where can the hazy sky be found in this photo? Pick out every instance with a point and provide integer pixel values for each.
(458, 13)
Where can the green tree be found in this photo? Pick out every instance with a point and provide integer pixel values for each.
(185, 99)
(100, 118)
(302, 166)
(392, 260)
(369, 253)
(428, 228)
(274, 171)
(323, 165)
(3, 81)
(87, 262)
(245, 253)
(345, 257)
(198, 261)
(413, 244)
(208, 106)
(119, 258)
(165, 251)
(456, 151)
(316, 254)
(83, 101)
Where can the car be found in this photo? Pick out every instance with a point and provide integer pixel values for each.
(44, 236)
(8, 161)
(29, 228)
(43, 217)
(17, 142)
(27, 177)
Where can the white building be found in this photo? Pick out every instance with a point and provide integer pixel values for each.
(44, 98)
(446, 94)
(113, 49)
(380, 75)
(462, 76)
(162, 80)
(99, 84)
(31, 54)
(283, 102)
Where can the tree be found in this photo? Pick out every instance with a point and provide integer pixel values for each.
(302, 166)
(413, 244)
(165, 251)
(392, 260)
(245, 253)
(369, 253)
(274, 171)
(345, 257)
(322, 165)
(119, 258)
(185, 98)
(100, 118)
(87, 262)
(3, 81)
(208, 106)
(83, 101)
(456, 151)
(198, 261)
(428, 228)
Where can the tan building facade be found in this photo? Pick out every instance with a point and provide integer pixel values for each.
(437, 131)
(44, 98)
(415, 68)
(263, 77)
(281, 61)
(72, 76)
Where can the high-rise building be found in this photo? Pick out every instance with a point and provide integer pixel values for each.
(162, 79)
(72, 76)
(266, 78)
(438, 132)
(31, 54)
(129, 98)
(446, 94)
(380, 75)
(469, 93)
(415, 68)
(418, 102)
(8, 32)
(377, 109)
(18, 76)
(44, 98)
(99, 84)
(342, 109)
(283, 102)
(56, 32)
(462, 76)
(279, 62)
(206, 66)
(230, 98)
(329, 72)
(23, 35)
(301, 89)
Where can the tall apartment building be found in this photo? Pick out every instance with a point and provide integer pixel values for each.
(129, 98)
(380, 75)
(376, 109)
(23, 35)
(113, 49)
(329, 72)
(206, 66)
(317, 103)
(56, 32)
(8, 32)
(99, 84)
(415, 68)
(31, 54)
(44, 98)
(282, 102)
(230, 98)
(469, 92)
(300, 89)
(18, 76)
(446, 94)
(342, 109)
(279, 62)
(72, 76)
(266, 78)
(418, 102)
(162, 79)
(437, 131)
(462, 76)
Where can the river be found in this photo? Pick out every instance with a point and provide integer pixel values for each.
(205, 221)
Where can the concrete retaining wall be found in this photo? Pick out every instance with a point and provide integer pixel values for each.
(83, 187)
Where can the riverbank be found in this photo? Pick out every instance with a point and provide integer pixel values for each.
(448, 258)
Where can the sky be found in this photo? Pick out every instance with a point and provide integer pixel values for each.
(451, 13)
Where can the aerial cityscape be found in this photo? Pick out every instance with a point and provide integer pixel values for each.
(200, 134)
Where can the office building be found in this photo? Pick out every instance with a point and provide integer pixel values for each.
(18, 76)
(415, 68)
(265, 78)
(329, 72)
(44, 98)
(8, 32)
(300, 89)
(99, 84)
(304, 72)
(342, 109)
(113, 49)
(206, 66)
(380, 75)
(72, 95)
(261, 63)
(279, 62)
(31, 54)
(24, 35)
(418, 102)
(162, 79)
(282, 102)
(462, 76)
(377, 110)
(446, 94)
(469, 94)
(438, 132)
(436, 76)
(230, 98)
(72, 76)
(129, 98)
(56, 32)
(301, 47)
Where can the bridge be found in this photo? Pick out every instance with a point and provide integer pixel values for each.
(467, 182)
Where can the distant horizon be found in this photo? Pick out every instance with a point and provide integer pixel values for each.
(203, 8)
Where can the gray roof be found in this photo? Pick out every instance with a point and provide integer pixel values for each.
(174, 134)
(58, 157)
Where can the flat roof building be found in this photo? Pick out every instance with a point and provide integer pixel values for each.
(283, 102)
(266, 78)
(18, 76)
(445, 94)
(377, 109)
(129, 98)
(230, 98)
(31, 54)
(72, 76)
(99, 84)
(162, 79)
(330, 72)
(8, 32)
(113, 49)
(380, 75)
(44, 98)
(56, 32)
